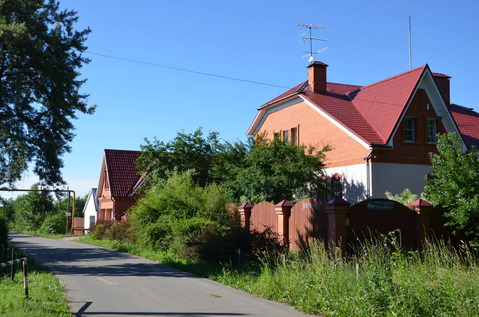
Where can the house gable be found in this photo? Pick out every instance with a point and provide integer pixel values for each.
(425, 102)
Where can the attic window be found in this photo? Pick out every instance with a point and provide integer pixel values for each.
(431, 131)
(409, 129)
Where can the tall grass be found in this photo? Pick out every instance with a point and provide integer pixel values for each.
(381, 279)
(46, 294)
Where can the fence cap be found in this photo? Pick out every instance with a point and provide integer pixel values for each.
(284, 203)
(337, 201)
(246, 205)
(420, 203)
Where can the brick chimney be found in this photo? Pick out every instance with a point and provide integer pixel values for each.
(442, 83)
(317, 76)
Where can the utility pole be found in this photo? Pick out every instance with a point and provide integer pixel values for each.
(310, 38)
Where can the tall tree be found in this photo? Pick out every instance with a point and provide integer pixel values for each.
(186, 151)
(40, 54)
(454, 184)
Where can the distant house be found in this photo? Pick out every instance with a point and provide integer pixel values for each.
(119, 179)
(380, 135)
(90, 210)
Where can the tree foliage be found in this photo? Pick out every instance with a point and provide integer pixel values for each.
(274, 170)
(185, 152)
(40, 54)
(454, 184)
(31, 210)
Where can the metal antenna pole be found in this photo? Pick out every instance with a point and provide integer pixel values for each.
(410, 48)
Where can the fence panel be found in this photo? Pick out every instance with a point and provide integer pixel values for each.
(264, 216)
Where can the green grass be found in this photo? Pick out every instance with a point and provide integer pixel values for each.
(381, 279)
(389, 282)
(46, 294)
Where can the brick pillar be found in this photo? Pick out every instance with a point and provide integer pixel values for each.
(423, 212)
(283, 211)
(337, 211)
(245, 214)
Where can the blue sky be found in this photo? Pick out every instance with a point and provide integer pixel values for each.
(260, 41)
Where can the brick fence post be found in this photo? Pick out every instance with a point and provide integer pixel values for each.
(245, 214)
(423, 212)
(283, 211)
(337, 211)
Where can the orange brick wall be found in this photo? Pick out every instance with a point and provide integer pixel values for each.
(417, 152)
(315, 130)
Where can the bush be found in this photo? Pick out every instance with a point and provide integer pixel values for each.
(3, 231)
(119, 231)
(100, 228)
(53, 224)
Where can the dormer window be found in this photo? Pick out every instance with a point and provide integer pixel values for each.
(409, 129)
(431, 131)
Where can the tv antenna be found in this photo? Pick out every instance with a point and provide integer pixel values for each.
(304, 37)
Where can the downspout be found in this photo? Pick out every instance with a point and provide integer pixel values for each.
(367, 158)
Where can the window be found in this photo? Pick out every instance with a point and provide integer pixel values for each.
(294, 136)
(286, 136)
(410, 129)
(276, 136)
(431, 131)
(336, 186)
(92, 221)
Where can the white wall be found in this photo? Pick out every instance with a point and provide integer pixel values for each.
(397, 177)
(383, 177)
(89, 210)
(354, 181)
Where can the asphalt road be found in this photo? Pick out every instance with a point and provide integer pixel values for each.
(102, 282)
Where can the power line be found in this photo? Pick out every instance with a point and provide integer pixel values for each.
(186, 70)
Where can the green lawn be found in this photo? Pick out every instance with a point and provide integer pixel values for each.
(46, 294)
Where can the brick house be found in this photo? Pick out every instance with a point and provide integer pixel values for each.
(380, 135)
(119, 180)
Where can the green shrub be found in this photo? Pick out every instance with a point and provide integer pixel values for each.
(100, 228)
(3, 232)
(118, 230)
(54, 224)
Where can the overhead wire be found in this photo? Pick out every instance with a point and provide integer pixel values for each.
(186, 70)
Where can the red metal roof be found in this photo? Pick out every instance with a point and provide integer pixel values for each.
(467, 121)
(122, 172)
(383, 103)
(370, 112)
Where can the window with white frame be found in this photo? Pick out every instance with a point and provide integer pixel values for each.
(431, 131)
(285, 136)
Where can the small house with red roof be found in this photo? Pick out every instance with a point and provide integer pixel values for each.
(119, 180)
(380, 135)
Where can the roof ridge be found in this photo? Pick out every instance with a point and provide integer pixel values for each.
(395, 76)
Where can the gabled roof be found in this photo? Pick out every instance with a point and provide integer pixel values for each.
(122, 172)
(95, 201)
(467, 121)
(383, 103)
(371, 113)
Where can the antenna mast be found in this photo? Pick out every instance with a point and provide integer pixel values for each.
(410, 49)
(311, 39)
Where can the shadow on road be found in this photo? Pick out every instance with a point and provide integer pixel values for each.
(81, 259)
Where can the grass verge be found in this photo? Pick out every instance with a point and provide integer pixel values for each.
(380, 279)
(46, 294)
